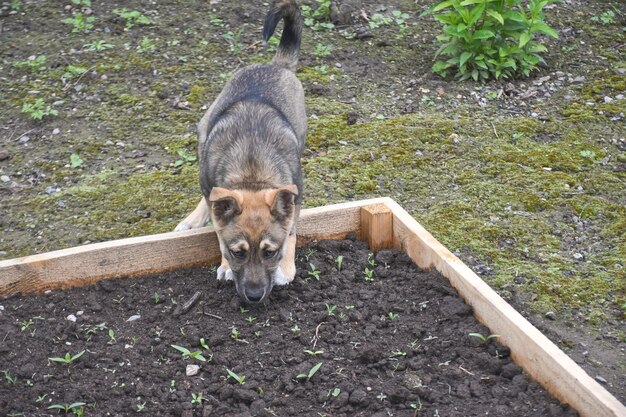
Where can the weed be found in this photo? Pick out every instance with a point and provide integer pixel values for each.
(34, 63)
(314, 272)
(73, 71)
(76, 161)
(146, 45)
(317, 18)
(141, 406)
(335, 392)
(369, 274)
(233, 39)
(215, 20)
(381, 396)
(38, 110)
(196, 398)
(377, 20)
(112, 338)
(606, 18)
(400, 19)
(204, 344)
(295, 329)
(250, 319)
(243, 310)
(310, 373)
(392, 315)
(68, 358)
(313, 352)
(189, 354)
(330, 309)
(24, 325)
(74, 408)
(10, 378)
(398, 354)
(322, 50)
(40, 398)
(234, 334)
(239, 378)
(156, 297)
(371, 260)
(339, 262)
(80, 22)
(309, 252)
(185, 157)
(132, 17)
(484, 339)
(490, 39)
(16, 5)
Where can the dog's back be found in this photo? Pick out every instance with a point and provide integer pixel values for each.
(253, 134)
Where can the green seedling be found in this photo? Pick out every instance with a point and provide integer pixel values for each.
(234, 334)
(10, 378)
(335, 392)
(24, 325)
(196, 398)
(36, 64)
(377, 20)
(258, 333)
(339, 262)
(73, 71)
(98, 46)
(185, 157)
(76, 161)
(309, 252)
(132, 17)
(369, 274)
(82, 3)
(295, 328)
(250, 319)
(204, 344)
(371, 260)
(242, 310)
(234, 45)
(330, 309)
(239, 378)
(322, 50)
(141, 407)
(68, 358)
(38, 110)
(398, 354)
(313, 352)
(74, 407)
(392, 315)
(80, 22)
(484, 339)
(112, 338)
(156, 297)
(189, 354)
(40, 398)
(311, 372)
(146, 45)
(314, 272)
(607, 18)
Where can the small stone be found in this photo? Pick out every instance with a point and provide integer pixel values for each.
(56, 131)
(578, 256)
(619, 97)
(534, 114)
(4, 154)
(134, 317)
(5, 178)
(550, 315)
(607, 99)
(578, 80)
(24, 139)
(71, 318)
(192, 370)
(58, 102)
(601, 379)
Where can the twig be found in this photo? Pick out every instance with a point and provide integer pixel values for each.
(494, 130)
(316, 338)
(465, 370)
(25, 133)
(182, 309)
(213, 315)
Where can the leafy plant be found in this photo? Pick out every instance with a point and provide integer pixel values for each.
(184, 157)
(371, 260)
(233, 39)
(392, 315)
(132, 17)
(606, 18)
(34, 64)
(317, 18)
(314, 272)
(24, 325)
(310, 373)
(73, 71)
(490, 38)
(239, 378)
(377, 20)
(234, 334)
(146, 45)
(68, 358)
(295, 328)
(330, 309)
(189, 354)
(369, 274)
(322, 50)
(38, 110)
(196, 398)
(10, 378)
(313, 352)
(400, 19)
(98, 46)
(484, 339)
(204, 344)
(76, 162)
(74, 408)
(80, 22)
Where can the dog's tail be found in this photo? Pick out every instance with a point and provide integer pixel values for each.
(289, 47)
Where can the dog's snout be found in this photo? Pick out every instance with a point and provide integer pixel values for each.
(254, 294)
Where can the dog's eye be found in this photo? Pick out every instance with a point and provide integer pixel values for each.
(239, 254)
(269, 254)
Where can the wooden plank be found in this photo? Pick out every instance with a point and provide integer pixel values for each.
(147, 255)
(377, 226)
(541, 358)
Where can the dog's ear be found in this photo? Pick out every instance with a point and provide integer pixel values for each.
(225, 205)
(281, 201)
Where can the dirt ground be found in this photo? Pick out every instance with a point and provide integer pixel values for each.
(396, 345)
(523, 179)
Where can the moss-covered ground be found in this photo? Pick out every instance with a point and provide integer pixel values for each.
(524, 180)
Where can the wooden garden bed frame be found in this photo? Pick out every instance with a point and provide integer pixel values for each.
(384, 224)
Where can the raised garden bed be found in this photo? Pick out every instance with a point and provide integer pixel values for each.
(397, 343)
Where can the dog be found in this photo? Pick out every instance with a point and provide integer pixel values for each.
(250, 142)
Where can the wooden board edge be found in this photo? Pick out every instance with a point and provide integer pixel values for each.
(149, 255)
(530, 348)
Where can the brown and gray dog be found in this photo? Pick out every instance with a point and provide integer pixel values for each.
(249, 147)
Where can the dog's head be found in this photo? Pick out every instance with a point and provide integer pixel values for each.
(253, 228)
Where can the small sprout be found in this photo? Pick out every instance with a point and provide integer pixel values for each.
(40, 398)
(67, 407)
(392, 315)
(189, 354)
(484, 339)
(342, 315)
(349, 308)
(369, 274)
(242, 310)
(313, 353)
(398, 353)
(112, 338)
(26, 324)
(418, 405)
(381, 396)
(295, 328)
(196, 398)
(335, 392)
(330, 309)
(309, 253)
(76, 161)
(250, 319)
(10, 378)
(141, 406)
(234, 334)
(68, 358)
(239, 378)
(371, 260)
(314, 272)
(98, 46)
(204, 344)
(185, 156)
(38, 110)
(311, 372)
(258, 333)
(156, 297)
(339, 262)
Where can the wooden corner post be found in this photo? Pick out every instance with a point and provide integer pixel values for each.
(377, 226)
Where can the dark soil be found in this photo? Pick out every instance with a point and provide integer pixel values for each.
(396, 346)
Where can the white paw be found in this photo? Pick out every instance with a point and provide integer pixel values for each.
(280, 278)
(182, 226)
(224, 274)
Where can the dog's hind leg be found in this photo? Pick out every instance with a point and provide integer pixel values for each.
(197, 218)
(287, 268)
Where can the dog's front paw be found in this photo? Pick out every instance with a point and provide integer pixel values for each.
(224, 273)
(282, 278)
(182, 226)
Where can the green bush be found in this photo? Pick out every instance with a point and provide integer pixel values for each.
(490, 38)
